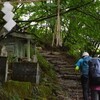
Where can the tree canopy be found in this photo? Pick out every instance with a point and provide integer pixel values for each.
(70, 24)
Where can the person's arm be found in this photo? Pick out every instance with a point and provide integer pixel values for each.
(76, 68)
(77, 65)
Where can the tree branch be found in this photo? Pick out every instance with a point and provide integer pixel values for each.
(54, 15)
(97, 18)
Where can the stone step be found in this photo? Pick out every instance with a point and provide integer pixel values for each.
(57, 59)
(68, 79)
(71, 77)
(59, 62)
(66, 69)
(66, 66)
(63, 69)
(51, 56)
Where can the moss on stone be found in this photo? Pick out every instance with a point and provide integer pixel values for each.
(18, 89)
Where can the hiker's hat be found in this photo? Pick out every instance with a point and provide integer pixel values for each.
(85, 54)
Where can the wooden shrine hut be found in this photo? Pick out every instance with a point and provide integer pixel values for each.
(18, 45)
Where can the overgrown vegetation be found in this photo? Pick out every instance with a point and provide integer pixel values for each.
(79, 27)
(78, 22)
(46, 90)
(48, 86)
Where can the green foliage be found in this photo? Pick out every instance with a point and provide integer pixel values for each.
(46, 67)
(3, 94)
(80, 23)
(43, 92)
(18, 90)
(46, 90)
(48, 81)
(79, 19)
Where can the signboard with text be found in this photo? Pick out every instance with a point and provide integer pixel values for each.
(24, 71)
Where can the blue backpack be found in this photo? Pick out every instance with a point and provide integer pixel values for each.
(94, 71)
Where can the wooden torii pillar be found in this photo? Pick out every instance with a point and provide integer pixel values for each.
(28, 49)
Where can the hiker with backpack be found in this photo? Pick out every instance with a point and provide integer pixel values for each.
(82, 65)
(94, 78)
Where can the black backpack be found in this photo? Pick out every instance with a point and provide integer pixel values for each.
(94, 71)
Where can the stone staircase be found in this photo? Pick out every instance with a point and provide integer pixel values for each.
(68, 79)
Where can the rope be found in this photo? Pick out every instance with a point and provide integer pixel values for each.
(57, 37)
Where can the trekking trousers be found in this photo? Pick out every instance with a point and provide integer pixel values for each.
(85, 87)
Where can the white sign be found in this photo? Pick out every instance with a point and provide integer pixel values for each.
(7, 10)
(8, 16)
(10, 24)
(7, 7)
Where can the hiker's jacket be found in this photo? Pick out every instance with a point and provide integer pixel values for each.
(82, 64)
